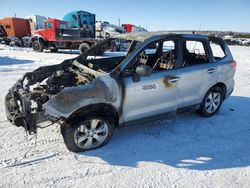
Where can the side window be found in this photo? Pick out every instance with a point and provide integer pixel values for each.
(195, 47)
(62, 26)
(48, 25)
(217, 50)
(159, 56)
(7, 26)
(168, 45)
(194, 52)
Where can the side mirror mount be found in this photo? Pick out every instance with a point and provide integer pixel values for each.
(143, 70)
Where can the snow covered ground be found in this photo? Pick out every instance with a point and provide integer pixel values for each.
(187, 151)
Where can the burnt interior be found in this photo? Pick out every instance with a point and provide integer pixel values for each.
(104, 64)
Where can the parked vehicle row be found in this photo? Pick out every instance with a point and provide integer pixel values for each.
(77, 30)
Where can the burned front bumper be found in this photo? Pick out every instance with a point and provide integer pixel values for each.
(19, 112)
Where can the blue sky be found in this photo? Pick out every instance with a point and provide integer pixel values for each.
(226, 15)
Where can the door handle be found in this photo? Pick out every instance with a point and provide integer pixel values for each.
(210, 71)
(174, 79)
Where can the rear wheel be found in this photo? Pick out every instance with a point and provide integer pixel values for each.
(83, 47)
(88, 134)
(212, 102)
(37, 46)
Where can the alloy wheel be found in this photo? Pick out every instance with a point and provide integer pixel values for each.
(91, 134)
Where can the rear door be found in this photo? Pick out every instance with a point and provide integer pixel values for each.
(198, 71)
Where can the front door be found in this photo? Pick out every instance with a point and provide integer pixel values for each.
(156, 94)
(49, 31)
(152, 95)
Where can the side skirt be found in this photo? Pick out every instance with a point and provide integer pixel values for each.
(165, 116)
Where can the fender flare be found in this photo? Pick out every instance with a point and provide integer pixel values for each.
(36, 37)
(99, 108)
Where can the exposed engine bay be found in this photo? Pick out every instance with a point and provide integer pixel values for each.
(25, 100)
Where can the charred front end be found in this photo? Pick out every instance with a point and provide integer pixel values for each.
(24, 101)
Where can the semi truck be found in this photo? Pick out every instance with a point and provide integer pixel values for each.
(16, 27)
(14, 30)
(57, 35)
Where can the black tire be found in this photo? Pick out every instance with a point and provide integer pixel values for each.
(71, 130)
(54, 50)
(205, 109)
(83, 47)
(20, 43)
(37, 46)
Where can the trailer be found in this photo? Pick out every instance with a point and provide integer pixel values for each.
(56, 35)
(16, 27)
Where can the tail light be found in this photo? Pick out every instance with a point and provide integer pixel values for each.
(233, 65)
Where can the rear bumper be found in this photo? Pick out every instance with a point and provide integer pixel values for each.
(18, 113)
(230, 88)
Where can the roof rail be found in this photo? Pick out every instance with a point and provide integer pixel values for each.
(182, 31)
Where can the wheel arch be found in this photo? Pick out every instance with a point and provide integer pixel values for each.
(36, 37)
(222, 86)
(100, 109)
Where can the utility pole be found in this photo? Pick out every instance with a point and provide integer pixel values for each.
(119, 22)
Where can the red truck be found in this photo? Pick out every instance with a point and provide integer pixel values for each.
(57, 35)
(132, 28)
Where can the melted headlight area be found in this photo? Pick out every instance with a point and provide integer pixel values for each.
(24, 101)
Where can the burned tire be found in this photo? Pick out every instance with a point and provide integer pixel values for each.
(212, 102)
(37, 46)
(87, 134)
(83, 47)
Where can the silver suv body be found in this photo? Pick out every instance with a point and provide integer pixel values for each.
(158, 74)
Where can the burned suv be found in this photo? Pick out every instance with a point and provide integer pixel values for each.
(90, 96)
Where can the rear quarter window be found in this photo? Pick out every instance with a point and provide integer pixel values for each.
(217, 50)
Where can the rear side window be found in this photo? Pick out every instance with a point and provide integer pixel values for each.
(195, 47)
(194, 52)
(217, 50)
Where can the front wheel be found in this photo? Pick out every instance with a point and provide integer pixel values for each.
(212, 102)
(83, 47)
(37, 46)
(88, 134)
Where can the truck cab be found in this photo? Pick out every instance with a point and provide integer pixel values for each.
(57, 35)
(51, 26)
